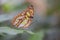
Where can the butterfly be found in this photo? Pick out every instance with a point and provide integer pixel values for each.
(24, 19)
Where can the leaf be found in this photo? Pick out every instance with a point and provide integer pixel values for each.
(30, 32)
(12, 31)
(37, 36)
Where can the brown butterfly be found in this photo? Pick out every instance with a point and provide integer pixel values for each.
(24, 19)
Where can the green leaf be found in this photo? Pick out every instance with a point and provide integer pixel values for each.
(37, 36)
(12, 31)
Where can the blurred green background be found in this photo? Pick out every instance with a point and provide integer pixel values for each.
(46, 30)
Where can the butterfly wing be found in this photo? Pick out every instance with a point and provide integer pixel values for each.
(24, 19)
(29, 16)
(17, 20)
